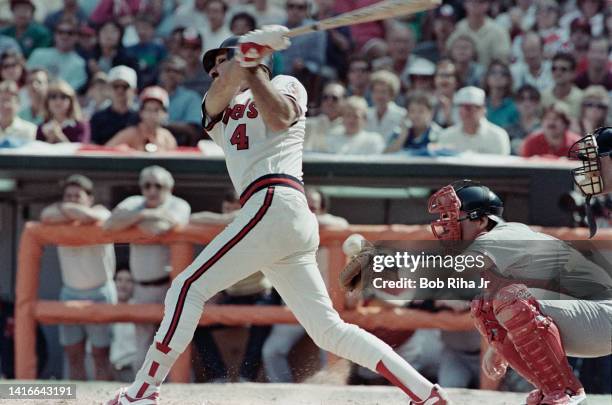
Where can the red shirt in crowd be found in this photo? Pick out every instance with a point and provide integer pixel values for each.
(536, 145)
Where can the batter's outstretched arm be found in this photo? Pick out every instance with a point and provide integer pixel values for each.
(223, 89)
(279, 112)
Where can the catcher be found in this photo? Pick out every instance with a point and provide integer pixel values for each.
(533, 336)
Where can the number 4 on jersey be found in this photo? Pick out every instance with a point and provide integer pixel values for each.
(240, 138)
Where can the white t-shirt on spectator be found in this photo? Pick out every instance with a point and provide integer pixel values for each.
(152, 262)
(213, 39)
(87, 267)
(488, 139)
(19, 129)
(362, 143)
(318, 131)
(392, 118)
(521, 76)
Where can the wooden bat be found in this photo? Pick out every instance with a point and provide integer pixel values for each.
(375, 12)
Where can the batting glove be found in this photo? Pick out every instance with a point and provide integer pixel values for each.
(272, 36)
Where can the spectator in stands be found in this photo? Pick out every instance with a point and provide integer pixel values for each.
(554, 38)
(519, 18)
(421, 131)
(241, 23)
(87, 41)
(148, 135)
(474, 132)
(532, 69)
(87, 275)
(564, 73)
(61, 60)
(120, 114)
(354, 139)
(148, 52)
(446, 83)
(555, 138)
(253, 290)
(217, 29)
(184, 112)
(12, 67)
(8, 44)
(112, 10)
(63, 118)
(599, 66)
(401, 43)
(109, 52)
(284, 336)
(37, 85)
(528, 104)
(306, 55)
(155, 212)
(188, 15)
(501, 109)
(359, 71)
(492, 41)
(265, 12)
(385, 115)
(594, 110)
(444, 20)
(14, 131)
(123, 344)
(580, 36)
(29, 34)
(329, 121)
(421, 74)
(464, 54)
(70, 10)
(339, 41)
(589, 10)
(191, 51)
(97, 97)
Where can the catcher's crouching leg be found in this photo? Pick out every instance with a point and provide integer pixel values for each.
(538, 350)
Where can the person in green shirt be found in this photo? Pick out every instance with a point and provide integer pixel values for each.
(28, 33)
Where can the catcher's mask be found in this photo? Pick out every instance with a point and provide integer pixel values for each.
(465, 196)
(594, 176)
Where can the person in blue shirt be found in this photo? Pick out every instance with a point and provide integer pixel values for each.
(148, 52)
(501, 109)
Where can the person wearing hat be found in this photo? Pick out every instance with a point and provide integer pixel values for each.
(87, 275)
(555, 138)
(71, 9)
(474, 133)
(443, 25)
(184, 111)
(191, 51)
(27, 32)
(421, 73)
(148, 135)
(578, 44)
(121, 113)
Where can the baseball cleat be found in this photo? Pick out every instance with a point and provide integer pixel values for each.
(536, 397)
(436, 397)
(122, 398)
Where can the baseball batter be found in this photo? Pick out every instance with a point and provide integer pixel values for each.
(531, 335)
(260, 123)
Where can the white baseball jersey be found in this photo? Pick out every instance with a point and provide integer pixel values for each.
(252, 150)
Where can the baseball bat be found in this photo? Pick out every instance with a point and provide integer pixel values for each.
(375, 12)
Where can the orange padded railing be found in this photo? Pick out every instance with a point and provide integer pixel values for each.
(30, 310)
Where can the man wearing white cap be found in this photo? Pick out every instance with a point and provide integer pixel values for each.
(474, 132)
(120, 114)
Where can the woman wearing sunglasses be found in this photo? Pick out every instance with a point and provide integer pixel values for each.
(63, 119)
(593, 110)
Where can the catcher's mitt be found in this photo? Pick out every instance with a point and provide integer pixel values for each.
(350, 277)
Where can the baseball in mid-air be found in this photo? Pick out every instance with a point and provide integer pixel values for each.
(353, 244)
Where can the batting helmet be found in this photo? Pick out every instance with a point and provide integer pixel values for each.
(594, 176)
(474, 199)
(229, 45)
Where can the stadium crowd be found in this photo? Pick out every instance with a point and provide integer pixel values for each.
(500, 77)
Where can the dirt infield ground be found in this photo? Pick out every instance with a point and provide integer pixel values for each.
(286, 394)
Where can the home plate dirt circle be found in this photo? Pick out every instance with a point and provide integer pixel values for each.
(284, 394)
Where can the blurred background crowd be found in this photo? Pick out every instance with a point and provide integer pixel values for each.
(490, 77)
